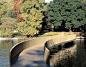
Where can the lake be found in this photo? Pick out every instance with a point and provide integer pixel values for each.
(5, 46)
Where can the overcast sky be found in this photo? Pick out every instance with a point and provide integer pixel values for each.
(48, 1)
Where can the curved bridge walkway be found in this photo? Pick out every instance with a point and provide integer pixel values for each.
(31, 57)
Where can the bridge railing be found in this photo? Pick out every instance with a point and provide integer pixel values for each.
(26, 44)
(53, 42)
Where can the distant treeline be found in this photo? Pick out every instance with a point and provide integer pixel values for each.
(59, 15)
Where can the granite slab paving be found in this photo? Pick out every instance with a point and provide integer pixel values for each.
(31, 57)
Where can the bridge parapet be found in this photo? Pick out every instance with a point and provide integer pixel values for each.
(55, 41)
(51, 40)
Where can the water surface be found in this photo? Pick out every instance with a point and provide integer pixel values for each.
(5, 46)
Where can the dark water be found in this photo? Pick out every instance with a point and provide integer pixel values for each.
(5, 46)
(73, 56)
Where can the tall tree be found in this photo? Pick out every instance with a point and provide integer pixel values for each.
(67, 13)
(32, 14)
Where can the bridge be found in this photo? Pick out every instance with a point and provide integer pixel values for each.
(35, 52)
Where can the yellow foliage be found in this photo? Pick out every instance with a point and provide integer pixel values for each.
(50, 33)
(31, 11)
(7, 4)
(7, 25)
(30, 31)
(40, 1)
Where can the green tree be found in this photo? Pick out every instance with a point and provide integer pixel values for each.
(32, 14)
(66, 13)
(9, 14)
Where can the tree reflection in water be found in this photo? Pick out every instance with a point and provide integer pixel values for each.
(5, 46)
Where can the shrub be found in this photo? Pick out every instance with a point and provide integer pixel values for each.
(25, 37)
(16, 35)
(78, 34)
(9, 13)
(6, 35)
(50, 33)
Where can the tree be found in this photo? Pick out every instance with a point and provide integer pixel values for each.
(7, 26)
(66, 13)
(5, 5)
(84, 3)
(3, 9)
(16, 9)
(32, 14)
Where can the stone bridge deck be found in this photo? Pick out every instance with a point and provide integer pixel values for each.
(31, 57)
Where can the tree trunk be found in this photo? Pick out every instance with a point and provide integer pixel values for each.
(70, 29)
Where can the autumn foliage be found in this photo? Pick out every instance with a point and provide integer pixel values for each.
(16, 9)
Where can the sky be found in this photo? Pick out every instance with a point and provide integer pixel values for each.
(48, 1)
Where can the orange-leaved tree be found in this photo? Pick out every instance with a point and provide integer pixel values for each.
(16, 9)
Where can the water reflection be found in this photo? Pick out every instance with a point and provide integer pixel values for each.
(5, 46)
(74, 56)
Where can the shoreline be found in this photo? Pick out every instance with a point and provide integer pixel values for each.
(1, 38)
(19, 39)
